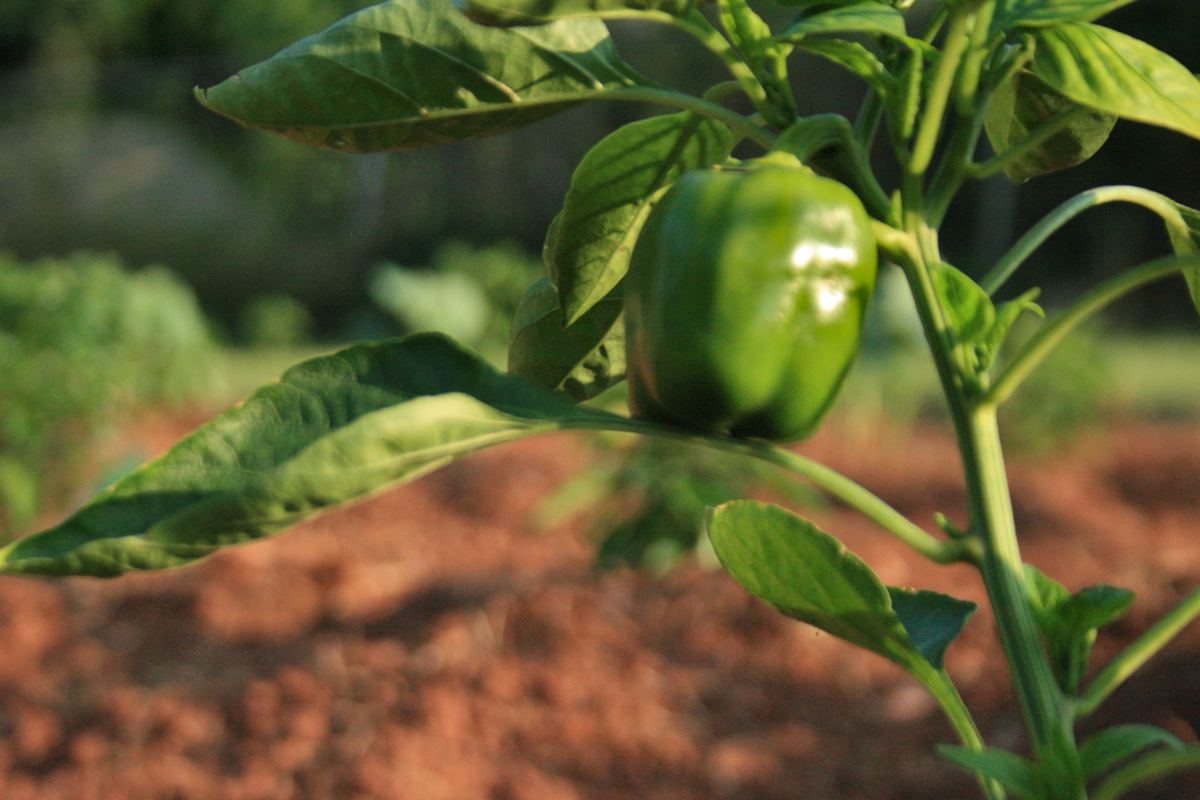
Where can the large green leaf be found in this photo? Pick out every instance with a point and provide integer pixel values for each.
(1023, 104)
(527, 12)
(1111, 72)
(1040, 13)
(612, 191)
(807, 574)
(406, 74)
(580, 360)
(864, 17)
(331, 430)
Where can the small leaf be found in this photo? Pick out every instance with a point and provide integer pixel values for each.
(863, 17)
(1014, 773)
(932, 620)
(1187, 245)
(1040, 13)
(581, 360)
(853, 57)
(331, 430)
(808, 575)
(1111, 746)
(1020, 106)
(532, 12)
(969, 310)
(1007, 313)
(1111, 72)
(406, 74)
(612, 191)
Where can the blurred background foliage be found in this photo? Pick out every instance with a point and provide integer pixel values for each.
(103, 149)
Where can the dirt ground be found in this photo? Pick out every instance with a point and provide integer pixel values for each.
(430, 644)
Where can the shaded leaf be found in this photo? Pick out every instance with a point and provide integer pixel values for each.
(932, 620)
(808, 575)
(853, 57)
(1111, 72)
(1039, 13)
(581, 360)
(1020, 106)
(863, 17)
(1147, 769)
(1016, 774)
(612, 191)
(406, 74)
(1186, 245)
(1111, 746)
(331, 430)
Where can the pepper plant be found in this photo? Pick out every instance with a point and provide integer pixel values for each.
(1040, 80)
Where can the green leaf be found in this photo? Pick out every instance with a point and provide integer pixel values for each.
(1019, 107)
(1040, 13)
(1186, 245)
(1007, 313)
(612, 192)
(407, 74)
(581, 360)
(866, 17)
(331, 430)
(932, 620)
(1111, 72)
(1069, 622)
(1146, 769)
(1109, 747)
(853, 57)
(532, 12)
(1016, 774)
(969, 311)
(808, 575)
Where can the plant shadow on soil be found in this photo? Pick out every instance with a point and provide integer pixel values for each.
(430, 644)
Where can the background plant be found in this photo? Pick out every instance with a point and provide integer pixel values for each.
(337, 428)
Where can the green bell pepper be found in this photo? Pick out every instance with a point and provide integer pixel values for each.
(745, 299)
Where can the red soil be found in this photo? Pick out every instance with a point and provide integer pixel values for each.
(429, 644)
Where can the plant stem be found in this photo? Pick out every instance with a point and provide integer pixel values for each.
(1038, 234)
(1137, 654)
(946, 694)
(696, 24)
(1053, 332)
(824, 477)
(957, 41)
(665, 97)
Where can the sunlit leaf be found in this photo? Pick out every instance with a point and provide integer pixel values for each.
(1038, 13)
(532, 12)
(864, 17)
(406, 74)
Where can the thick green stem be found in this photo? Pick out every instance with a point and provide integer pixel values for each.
(1038, 234)
(1137, 654)
(1053, 332)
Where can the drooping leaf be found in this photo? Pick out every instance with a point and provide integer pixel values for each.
(1016, 774)
(808, 575)
(406, 74)
(612, 191)
(1146, 769)
(533, 12)
(1040, 13)
(580, 360)
(932, 620)
(852, 56)
(1117, 74)
(331, 430)
(1111, 746)
(1187, 245)
(1021, 106)
(863, 17)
